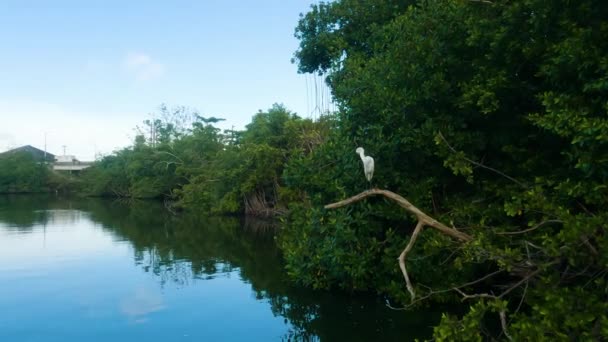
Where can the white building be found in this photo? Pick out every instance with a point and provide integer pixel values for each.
(69, 163)
(66, 159)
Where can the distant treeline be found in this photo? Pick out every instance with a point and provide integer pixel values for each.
(21, 172)
(183, 158)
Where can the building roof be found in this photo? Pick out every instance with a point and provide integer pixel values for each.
(37, 153)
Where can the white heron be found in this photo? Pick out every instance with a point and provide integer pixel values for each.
(368, 163)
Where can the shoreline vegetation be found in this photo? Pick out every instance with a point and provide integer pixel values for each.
(489, 117)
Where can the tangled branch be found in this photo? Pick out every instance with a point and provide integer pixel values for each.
(424, 220)
(523, 185)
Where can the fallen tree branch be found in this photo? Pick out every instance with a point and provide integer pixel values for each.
(402, 202)
(403, 255)
(423, 220)
(529, 229)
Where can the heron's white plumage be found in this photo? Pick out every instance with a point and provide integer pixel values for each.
(368, 163)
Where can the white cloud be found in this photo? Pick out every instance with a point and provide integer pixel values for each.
(143, 67)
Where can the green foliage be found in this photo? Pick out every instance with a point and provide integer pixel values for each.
(246, 175)
(20, 172)
(202, 169)
(154, 167)
(487, 115)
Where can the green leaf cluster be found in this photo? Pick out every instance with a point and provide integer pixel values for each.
(183, 158)
(488, 115)
(21, 173)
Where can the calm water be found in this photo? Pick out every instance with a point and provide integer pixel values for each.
(93, 270)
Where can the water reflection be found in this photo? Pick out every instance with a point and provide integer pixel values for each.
(142, 302)
(197, 262)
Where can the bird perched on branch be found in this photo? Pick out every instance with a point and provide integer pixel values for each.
(368, 163)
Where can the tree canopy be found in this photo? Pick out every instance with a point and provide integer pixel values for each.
(489, 115)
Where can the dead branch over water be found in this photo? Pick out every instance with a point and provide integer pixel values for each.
(424, 220)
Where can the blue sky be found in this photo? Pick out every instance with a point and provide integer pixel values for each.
(87, 72)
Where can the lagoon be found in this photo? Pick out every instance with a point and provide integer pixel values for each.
(101, 270)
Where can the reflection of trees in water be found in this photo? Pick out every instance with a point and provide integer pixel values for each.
(188, 248)
(24, 212)
(259, 226)
(63, 216)
(16, 211)
(330, 316)
(179, 273)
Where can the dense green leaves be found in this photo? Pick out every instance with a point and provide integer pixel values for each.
(202, 169)
(20, 172)
(492, 117)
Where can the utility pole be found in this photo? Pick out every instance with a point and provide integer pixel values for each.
(45, 148)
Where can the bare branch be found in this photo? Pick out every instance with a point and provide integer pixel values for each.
(432, 292)
(533, 245)
(171, 154)
(585, 208)
(523, 296)
(530, 229)
(477, 295)
(412, 303)
(516, 285)
(450, 256)
(479, 280)
(587, 243)
(482, 1)
(423, 220)
(479, 164)
(485, 295)
(503, 323)
(421, 216)
(403, 255)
